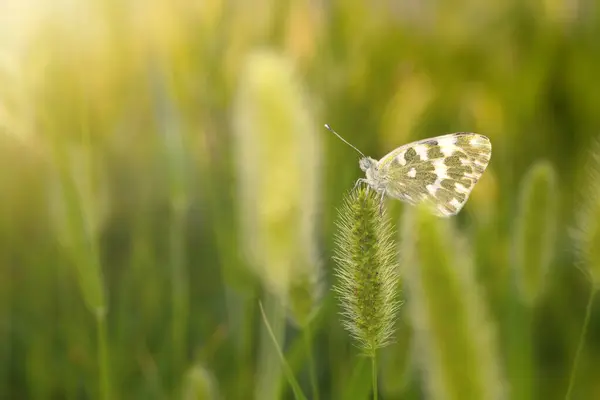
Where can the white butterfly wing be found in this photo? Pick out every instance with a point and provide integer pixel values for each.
(442, 170)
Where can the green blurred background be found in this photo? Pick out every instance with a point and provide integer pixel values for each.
(123, 219)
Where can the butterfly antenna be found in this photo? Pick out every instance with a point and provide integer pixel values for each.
(343, 140)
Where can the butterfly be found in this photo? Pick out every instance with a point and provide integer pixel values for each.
(440, 171)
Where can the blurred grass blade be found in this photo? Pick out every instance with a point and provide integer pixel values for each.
(580, 343)
(268, 367)
(454, 337)
(298, 394)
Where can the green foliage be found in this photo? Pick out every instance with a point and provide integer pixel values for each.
(163, 167)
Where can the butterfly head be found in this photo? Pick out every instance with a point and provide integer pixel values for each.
(366, 163)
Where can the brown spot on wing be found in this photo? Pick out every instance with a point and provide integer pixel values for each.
(447, 184)
(411, 156)
(426, 178)
(466, 182)
(435, 152)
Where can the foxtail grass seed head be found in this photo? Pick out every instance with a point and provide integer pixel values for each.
(367, 271)
(454, 338)
(278, 169)
(536, 230)
(586, 234)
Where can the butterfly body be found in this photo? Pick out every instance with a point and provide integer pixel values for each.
(440, 170)
(371, 169)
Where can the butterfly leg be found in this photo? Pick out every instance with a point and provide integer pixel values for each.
(358, 182)
(381, 202)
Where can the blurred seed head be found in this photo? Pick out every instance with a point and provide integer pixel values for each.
(535, 237)
(586, 234)
(455, 341)
(278, 169)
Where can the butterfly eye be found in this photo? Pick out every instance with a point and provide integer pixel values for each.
(365, 164)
